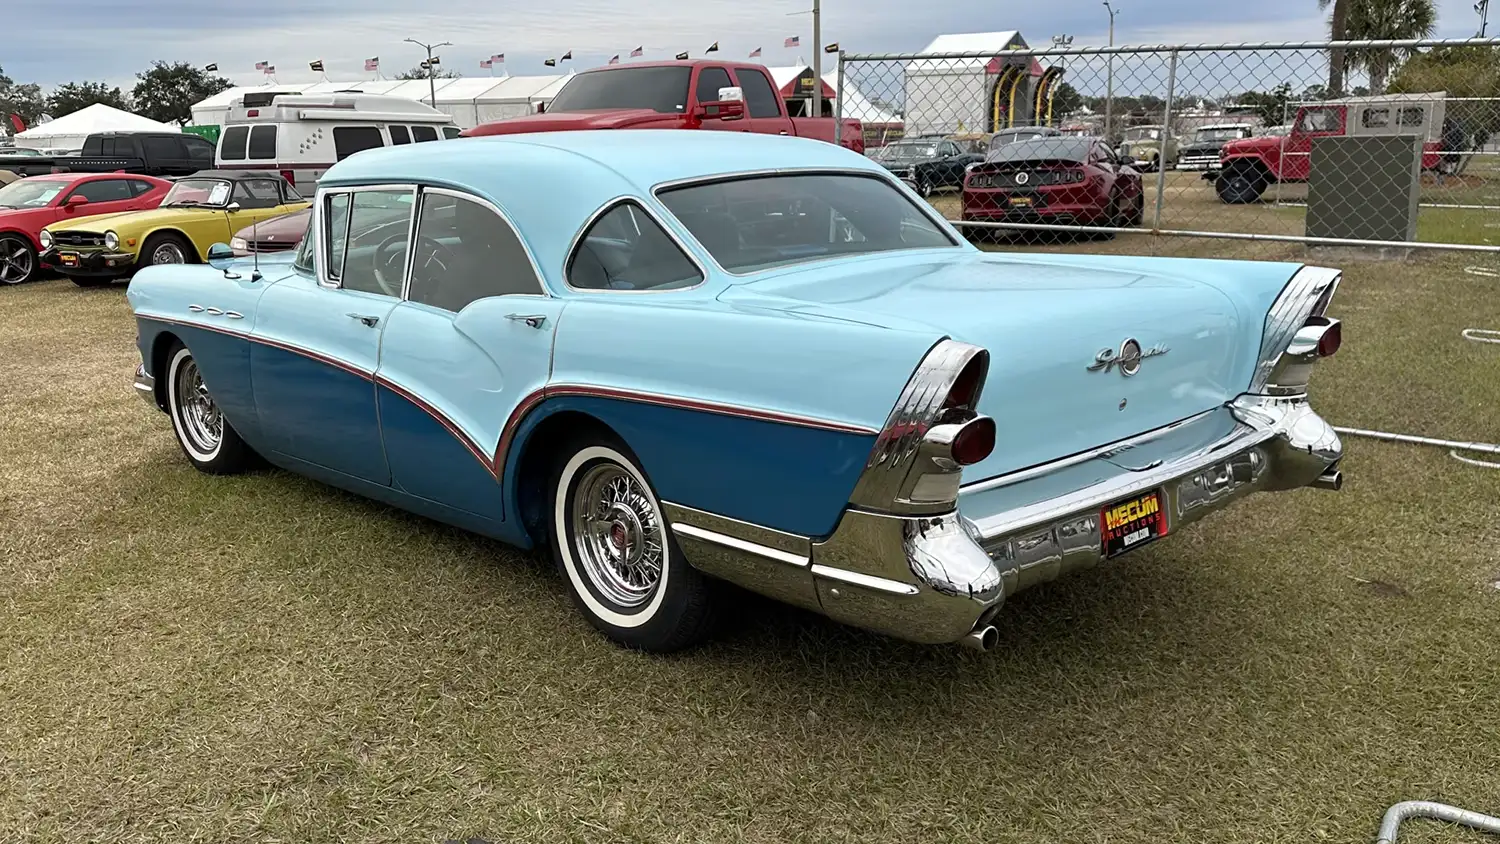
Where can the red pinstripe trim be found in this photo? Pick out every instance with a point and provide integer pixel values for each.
(308, 353)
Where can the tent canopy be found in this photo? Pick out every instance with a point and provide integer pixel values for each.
(71, 130)
(985, 45)
(856, 105)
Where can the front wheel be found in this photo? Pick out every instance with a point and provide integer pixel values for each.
(611, 539)
(18, 260)
(1241, 185)
(209, 441)
(167, 249)
(925, 186)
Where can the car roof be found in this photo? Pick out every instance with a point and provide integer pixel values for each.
(548, 183)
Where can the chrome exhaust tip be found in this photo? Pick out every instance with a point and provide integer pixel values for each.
(982, 639)
(1333, 480)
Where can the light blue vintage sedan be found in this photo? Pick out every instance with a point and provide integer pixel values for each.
(684, 358)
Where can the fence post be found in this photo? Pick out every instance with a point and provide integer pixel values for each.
(1166, 141)
(838, 103)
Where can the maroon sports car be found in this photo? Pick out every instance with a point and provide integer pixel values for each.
(1068, 180)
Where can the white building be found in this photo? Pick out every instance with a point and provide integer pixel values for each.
(983, 92)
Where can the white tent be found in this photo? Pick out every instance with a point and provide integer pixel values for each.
(459, 96)
(71, 130)
(952, 95)
(516, 96)
(857, 106)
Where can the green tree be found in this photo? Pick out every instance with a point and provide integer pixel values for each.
(24, 100)
(1271, 105)
(1471, 74)
(420, 72)
(74, 96)
(1065, 100)
(1379, 20)
(1338, 24)
(168, 92)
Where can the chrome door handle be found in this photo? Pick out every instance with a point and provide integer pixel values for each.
(533, 320)
(782, 132)
(369, 321)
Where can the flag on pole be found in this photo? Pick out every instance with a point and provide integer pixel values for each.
(498, 58)
(712, 48)
(682, 56)
(568, 56)
(262, 65)
(550, 62)
(211, 68)
(615, 59)
(270, 70)
(316, 65)
(832, 48)
(755, 54)
(794, 41)
(486, 63)
(372, 64)
(436, 59)
(638, 52)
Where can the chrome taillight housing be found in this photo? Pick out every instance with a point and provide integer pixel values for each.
(933, 432)
(1298, 334)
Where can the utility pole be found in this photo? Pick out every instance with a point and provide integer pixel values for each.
(431, 83)
(1109, 91)
(817, 99)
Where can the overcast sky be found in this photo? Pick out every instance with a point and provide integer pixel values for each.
(66, 40)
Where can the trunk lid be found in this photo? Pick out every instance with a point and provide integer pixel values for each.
(1046, 321)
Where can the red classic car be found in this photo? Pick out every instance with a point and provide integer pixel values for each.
(1068, 180)
(278, 234)
(27, 205)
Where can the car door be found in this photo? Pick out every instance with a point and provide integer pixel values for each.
(471, 341)
(763, 108)
(710, 80)
(950, 164)
(313, 367)
(105, 196)
(1313, 122)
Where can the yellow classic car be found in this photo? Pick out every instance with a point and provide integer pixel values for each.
(199, 211)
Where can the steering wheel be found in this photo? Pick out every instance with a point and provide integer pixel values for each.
(388, 261)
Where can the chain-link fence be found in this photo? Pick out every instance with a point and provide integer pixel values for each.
(1255, 144)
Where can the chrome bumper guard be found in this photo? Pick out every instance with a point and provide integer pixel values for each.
(938, 579)
(145, 386)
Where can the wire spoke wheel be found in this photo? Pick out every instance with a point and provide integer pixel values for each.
(168, 253)
(618, 535)
(202, 422)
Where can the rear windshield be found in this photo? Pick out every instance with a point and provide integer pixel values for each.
(660, 89)
(767, 221)
(1057, 147)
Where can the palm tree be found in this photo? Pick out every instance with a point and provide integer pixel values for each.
(1375, 20)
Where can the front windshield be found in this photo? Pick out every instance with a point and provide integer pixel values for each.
(907, 152)
(31, 193)
(660, 89)
(770, 221)
(1144, 134)
(189, 192)
(1216, 135)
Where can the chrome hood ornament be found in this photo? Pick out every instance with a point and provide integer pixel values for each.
(1128, 359)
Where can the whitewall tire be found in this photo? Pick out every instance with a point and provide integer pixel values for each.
(205, 436)
(611, 539)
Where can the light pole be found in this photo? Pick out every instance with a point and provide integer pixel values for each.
(1109, 91)
(431, 84)
(817, 101)
(1483, 8)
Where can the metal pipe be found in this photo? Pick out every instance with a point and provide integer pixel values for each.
(1485, 448)
(1408, 44)
(1333, 481)
(817, 68)
(1433, 811)
(1166, 140)
(838, 104)
(983, 639)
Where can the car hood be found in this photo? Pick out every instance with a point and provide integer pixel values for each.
(287, 227)
(106, 222)
(1251, 144)
(618, 118)
(1045, 320)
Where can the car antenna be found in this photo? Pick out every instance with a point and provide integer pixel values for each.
(255, 249)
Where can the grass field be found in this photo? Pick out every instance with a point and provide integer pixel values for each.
(190, 658)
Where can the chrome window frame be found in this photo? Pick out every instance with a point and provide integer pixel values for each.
(955, 242)
(670, 231)
(416, 221)
(320, 259)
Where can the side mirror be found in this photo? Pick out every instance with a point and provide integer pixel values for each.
(220, 256)
(75, 201)
(729, 106)
(541, 108)
(232, 207)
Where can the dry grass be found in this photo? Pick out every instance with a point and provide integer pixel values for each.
(263, 658)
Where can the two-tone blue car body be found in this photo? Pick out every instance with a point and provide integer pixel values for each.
(688, 357)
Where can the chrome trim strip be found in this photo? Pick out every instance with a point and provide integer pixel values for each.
(1081, 457)
(670, 230)
(854, 578)
(740, 545)
(782, 546)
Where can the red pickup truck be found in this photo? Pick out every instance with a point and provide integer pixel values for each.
(726, 96)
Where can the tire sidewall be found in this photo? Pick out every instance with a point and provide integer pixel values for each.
(180, 356)
(5, 241)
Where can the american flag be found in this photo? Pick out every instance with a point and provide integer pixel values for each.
(755, 54)
(498, 58)
(372, 64)
(270, 69)
(638, 52)
(794, 41)
(615, 59)
(262, 65)
(486, 63)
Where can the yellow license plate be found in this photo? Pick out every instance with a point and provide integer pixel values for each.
(1021, 201)
(1129, 524)
(68, 259)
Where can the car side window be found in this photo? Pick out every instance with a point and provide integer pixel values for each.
(232, 146)
(138, 187)
(103, 190)
(399, 135)
(200, 152)
(262, 145)
(625, 249)
(451, 132)
(465, 251)
(347, 140)
(422, 134)
(369, 253)
(256, 193)
(710, 80)
(162, 149)
(304, 259)
(760, 97)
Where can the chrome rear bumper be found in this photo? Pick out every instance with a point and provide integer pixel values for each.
(940, 579)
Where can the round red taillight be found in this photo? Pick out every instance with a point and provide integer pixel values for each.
(974, 442)
(1331, 340)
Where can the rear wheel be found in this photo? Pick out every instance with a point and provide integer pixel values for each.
(924, 185)
(1241, 184)
(18, 261)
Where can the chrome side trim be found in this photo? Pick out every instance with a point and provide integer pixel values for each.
(1309, 288)
(671, 232)
(739, 544)
(760, 559)
(778, 545)
(1081, 457)
(854, 578)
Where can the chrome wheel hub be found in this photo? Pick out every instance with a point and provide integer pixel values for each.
(168, 253)
(15, 263)
(202, 423)
(618, 535)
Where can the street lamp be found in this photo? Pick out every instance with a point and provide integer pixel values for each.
(431, 85)
(1109, 91)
